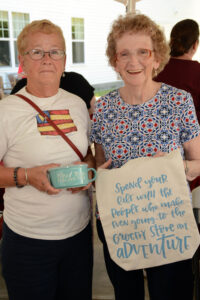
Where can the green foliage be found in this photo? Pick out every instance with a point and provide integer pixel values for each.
(101, 93)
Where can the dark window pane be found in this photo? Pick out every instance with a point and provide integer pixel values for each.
(6, 33)
(5, 24)
(5, 59)
(78, 52)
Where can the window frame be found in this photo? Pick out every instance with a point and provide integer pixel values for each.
(8, 39)
(11, 39)
(77, 40)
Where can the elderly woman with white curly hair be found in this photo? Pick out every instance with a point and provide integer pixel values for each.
(144, 118)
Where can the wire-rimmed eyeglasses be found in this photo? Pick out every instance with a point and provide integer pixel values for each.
(140, 53)
(37, 54)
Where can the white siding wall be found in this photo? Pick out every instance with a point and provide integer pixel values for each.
(168, 12)
(98, 16)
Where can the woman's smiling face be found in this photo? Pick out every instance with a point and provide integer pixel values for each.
(135, 59)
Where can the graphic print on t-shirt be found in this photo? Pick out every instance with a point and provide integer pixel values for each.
(61, 118)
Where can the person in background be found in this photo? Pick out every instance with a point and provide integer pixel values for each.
(141, 119)
(181, 71)
(72, 82)
(47, 240)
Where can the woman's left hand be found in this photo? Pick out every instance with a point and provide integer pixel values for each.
(192, 169)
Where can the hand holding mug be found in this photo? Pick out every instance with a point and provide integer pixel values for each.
(71, 177)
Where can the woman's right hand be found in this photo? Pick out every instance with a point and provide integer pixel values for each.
(160, 154)
(37, 177)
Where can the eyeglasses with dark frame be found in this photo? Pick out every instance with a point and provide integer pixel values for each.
(37, 54)
(141, 54)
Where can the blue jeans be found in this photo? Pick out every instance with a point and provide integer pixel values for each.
(36, 269)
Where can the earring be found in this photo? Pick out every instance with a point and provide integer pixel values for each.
(119, 76)
(63, 74)
(155, 72)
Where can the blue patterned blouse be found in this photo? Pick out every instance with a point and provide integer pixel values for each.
(164, 123)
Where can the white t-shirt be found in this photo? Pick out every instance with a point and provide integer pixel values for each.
(26, 141)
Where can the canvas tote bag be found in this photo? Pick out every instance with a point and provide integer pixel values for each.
(146, 212)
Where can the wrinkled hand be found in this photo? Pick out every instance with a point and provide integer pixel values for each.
(37, 177)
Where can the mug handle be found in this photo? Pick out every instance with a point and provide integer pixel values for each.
(95, 174)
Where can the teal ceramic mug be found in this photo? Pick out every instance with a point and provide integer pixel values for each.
(70, 176)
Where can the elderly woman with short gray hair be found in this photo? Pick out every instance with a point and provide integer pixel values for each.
(47, 244)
